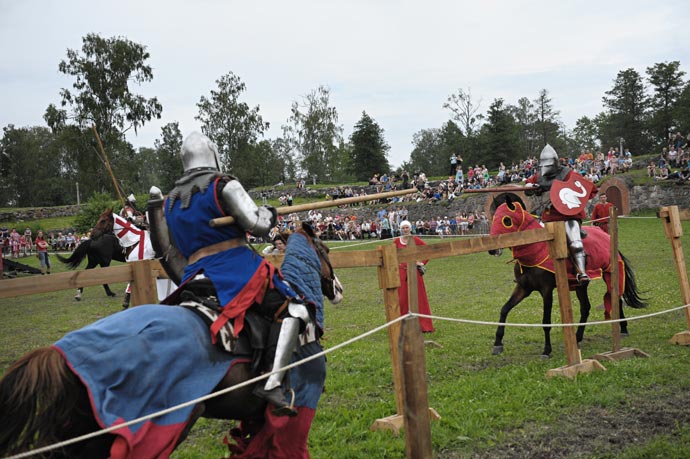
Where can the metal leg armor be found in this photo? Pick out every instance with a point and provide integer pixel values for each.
(577, 250)
(287, 343)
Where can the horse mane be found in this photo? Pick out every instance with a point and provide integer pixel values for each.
(38, 383)
(104, 224)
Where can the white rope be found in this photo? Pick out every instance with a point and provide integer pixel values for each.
(205, 397)
(601, 322)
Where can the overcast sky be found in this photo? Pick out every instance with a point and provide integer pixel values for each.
(397, 60)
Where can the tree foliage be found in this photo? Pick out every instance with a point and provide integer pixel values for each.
(666, 80)
(626, 114)
(168, 162)
(233, 126)
(315, 136)
(104, 70)
(369, 154)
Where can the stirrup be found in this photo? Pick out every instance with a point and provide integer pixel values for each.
(582, 278)
(276, 398)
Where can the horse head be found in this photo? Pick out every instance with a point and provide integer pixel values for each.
(330, 284)
(104, 224)
(509, 217)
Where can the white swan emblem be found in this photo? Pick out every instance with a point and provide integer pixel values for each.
(570, 197)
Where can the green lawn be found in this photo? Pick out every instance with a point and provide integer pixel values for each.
(491, 406)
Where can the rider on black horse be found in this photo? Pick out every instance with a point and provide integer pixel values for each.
(241, 277)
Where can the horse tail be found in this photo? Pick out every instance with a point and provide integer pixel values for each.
(36, 401)
(77, 256)
(631, 294)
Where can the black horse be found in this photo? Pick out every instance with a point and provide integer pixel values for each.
(100, 251)
(534, 274)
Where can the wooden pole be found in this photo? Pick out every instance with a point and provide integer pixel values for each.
(674, 231)
(413, 363)
(615, 288)
(389, 282)
(225, 221)
(558, 250)
(616, 353)
(107, 165)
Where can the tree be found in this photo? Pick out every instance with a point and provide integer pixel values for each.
(464, 111)
(547, 123)
(168, 161)
(369, 149)
(586, 134)
(101, 96)
(666, 80)
(499, 136)
(525, 116)
(232, 125)
(426, 154)
(32, 171)
(626, 105)
(314, 134)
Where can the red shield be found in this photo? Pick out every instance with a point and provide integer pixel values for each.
(570, 197)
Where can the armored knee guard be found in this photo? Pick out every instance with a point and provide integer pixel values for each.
(577, 250)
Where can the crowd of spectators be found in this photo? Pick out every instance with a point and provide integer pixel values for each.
(673, 163)
(384, 224)
(16, 245)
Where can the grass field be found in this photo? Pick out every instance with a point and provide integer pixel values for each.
(491, 406)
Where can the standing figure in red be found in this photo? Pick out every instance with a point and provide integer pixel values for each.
(600, 213)
(402, 242)
(566, 194)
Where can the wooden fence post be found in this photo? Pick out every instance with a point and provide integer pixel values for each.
(416, 413)
(558, 250)
(674, 231)
(389, 282)
(616, 353)
(144, 275)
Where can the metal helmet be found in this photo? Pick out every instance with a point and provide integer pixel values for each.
(199, 152)
(548, 162)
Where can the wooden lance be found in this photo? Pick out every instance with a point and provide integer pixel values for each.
(225, 221)
(107, 165)
(503, 189)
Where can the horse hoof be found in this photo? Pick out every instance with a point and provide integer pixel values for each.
(497, 350)
(78, 298)
(545, 356)
(625, 334)
(112, 295)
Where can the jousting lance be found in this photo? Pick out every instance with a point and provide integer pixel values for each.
(229, 220)
(502, 189)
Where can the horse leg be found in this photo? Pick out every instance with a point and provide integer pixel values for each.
(106, 287)
(585, 307)
(518, 295)
(547, 299)
(197, 412)
(623, 324)
(238, 404)
(80, 290)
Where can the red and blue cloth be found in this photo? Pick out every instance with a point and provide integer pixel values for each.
(140, 361)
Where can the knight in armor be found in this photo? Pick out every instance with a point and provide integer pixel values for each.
(550, 170)
(241, 277)
(130, 211)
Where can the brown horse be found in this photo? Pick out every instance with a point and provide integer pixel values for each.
(46, 399)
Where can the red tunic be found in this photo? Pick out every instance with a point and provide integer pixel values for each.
(600, 216)
(422, 300)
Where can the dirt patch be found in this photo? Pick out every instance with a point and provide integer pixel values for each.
(597, 432)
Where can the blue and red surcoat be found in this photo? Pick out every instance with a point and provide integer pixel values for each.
(239, 274)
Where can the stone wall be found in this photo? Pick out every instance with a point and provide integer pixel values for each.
(648, 197)
(38, 212)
